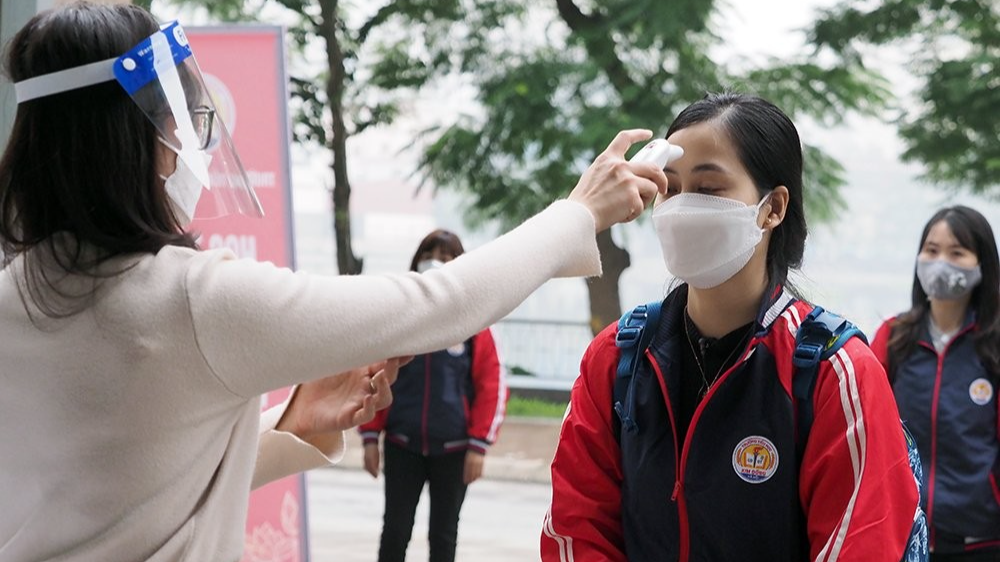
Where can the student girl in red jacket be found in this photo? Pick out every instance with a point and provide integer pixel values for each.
(712, 470)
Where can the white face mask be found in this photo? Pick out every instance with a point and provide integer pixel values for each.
(706, 239)
(427, 265)
(184, 185)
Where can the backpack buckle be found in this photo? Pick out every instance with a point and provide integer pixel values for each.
(807, 354)
(628, 337)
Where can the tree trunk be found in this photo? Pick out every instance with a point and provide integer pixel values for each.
(347, 262)
(605, 301)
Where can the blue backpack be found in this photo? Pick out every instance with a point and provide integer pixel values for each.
(820, 335)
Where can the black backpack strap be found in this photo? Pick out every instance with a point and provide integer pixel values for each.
(820, 335)
(635, 331)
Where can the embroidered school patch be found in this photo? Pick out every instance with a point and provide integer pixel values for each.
(755, 459)
(981, 391)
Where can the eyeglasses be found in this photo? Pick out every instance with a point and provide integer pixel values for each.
(203, 118)
(202, 121)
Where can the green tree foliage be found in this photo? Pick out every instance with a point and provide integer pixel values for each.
(951, 125)
(555, 80)
(578, 71)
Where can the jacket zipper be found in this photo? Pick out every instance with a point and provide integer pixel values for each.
(678, 493)
(935, 399)
(427, 398)
(679, 486)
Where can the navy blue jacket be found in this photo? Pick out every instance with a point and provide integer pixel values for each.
(948, 402)
(450, 400)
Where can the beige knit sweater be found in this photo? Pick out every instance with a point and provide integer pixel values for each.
(129, 432)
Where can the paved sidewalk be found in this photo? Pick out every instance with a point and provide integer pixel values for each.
(523, 452)
(501, 520)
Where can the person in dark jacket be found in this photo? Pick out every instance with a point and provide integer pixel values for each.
(448, 408)
(943, 357)
(711, 471)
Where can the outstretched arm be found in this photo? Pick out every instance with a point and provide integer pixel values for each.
(259, 327)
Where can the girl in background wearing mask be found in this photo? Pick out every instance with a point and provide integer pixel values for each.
(448, 409)
(710, 473)
(943, 357)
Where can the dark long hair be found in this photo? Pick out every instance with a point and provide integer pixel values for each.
(769, 148)
(973, 233)
(78, 177)
(437, 239)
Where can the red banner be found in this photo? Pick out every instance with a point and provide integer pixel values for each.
(244, 68)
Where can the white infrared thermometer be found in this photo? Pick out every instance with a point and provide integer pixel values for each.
(659, 152)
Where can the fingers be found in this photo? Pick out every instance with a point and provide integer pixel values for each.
(391, 370)
(646, 193)
(652, 173)
(367, 411)
(473, 467)
(624, 139)
(382, 389)
(376, 367)
(372, 460)
(615, 190)
(471, 473)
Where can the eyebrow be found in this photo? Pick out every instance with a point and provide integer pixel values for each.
(706, 167)
(945, 246)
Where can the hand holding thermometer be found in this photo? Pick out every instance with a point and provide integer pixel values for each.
(659, 152)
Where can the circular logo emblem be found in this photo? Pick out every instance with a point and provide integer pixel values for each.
(225, 106)
(457, 350)
(981, 391)
(755, 459)
(180, 37)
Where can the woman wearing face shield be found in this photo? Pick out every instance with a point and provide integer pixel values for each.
(132, 363)
(943, 359)
(709, 467)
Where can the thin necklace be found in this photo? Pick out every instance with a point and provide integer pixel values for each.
(706, 384)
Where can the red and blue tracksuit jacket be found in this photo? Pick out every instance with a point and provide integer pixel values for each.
(733, 489)
(948, 402)
(450, 400)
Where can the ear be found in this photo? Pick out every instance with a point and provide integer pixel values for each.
(165, 160)
(774, 209)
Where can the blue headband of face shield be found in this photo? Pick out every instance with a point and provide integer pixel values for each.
(133, 70)
(161, 76)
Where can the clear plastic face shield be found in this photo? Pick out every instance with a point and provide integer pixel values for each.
(161, 76)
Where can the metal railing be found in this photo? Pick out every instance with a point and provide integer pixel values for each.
(542, 353)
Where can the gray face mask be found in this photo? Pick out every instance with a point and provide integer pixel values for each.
(945, 281)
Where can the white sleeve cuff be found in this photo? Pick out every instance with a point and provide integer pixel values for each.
(280, 453)
(577, 222)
